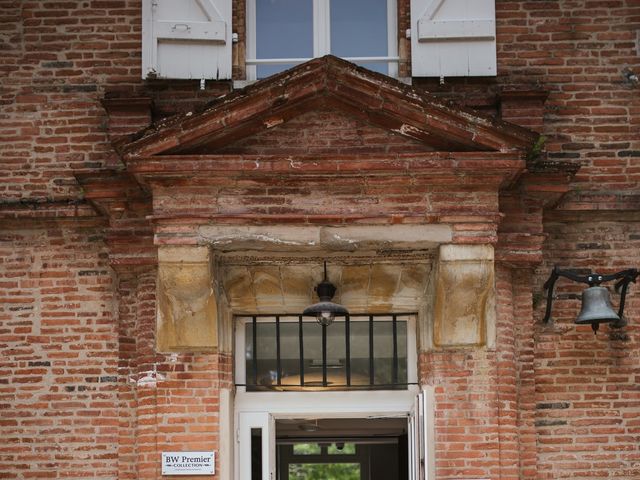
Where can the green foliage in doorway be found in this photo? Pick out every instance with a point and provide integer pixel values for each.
(324, 471)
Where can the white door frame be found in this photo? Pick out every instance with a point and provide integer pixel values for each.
(247, 421)
(261, 409)
(421, 437)
(342, 404)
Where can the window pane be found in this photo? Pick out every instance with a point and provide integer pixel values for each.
(359, 353)
(336, 354)
(266, 347)
(359, 29)
(256, 453)
(307, 449)
(342, 449)
(248, 352)
(284, 29)
(402, 353)
(333, 471)
(312, 354)
(336, 373)
(290, 353)
(383, 352)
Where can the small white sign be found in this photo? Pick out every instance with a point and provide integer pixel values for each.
(188, 463)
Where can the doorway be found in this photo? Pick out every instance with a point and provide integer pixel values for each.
(374, 421)
(308, 434)
(341, 449)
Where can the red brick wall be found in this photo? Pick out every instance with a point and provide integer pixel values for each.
(59, 362)
(467, 412)
(484, 399)
(577, 50)
(72, 338)
(60, 58)
(166, 402)
(587, 398)
(370, 199)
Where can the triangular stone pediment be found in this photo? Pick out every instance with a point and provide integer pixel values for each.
(322, 131)
(371, 101)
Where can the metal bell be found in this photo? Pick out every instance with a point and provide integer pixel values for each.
(596, 308)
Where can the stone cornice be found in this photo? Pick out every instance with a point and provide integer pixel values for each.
(502, 166)
(18, 213)
(521, 235)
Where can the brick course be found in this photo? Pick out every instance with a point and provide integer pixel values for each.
(77, 315)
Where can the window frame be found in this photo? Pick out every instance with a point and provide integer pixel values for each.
(240, 372)
(322, 39)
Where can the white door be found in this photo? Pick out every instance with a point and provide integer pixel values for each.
(263, 424)
(420, 437)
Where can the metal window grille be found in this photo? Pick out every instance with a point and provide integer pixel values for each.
(279, 380)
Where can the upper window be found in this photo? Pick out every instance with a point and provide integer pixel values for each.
(284, 33)
(192, 38)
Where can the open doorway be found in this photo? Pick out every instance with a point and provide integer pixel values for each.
(337, 449)
(288, 437)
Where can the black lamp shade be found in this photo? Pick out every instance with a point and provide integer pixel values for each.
(325, 310)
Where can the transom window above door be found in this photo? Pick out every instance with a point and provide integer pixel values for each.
(283, 33)
(295, 353)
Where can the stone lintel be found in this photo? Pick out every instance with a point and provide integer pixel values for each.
(183, 255)
(464, 305)
(367, 286)
(187, 312)
(348, 238)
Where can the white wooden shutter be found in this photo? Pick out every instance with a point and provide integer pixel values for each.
(453, 38)
(186, 39)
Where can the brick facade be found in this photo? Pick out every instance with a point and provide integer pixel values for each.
(84, 392)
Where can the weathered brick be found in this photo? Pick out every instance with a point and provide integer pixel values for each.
(549, 402)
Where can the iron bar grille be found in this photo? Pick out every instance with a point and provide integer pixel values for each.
(292, 352)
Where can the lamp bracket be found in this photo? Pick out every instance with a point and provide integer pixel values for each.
(623, 278)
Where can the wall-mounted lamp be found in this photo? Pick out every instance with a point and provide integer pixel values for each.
(325, 310)
(596, 304)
